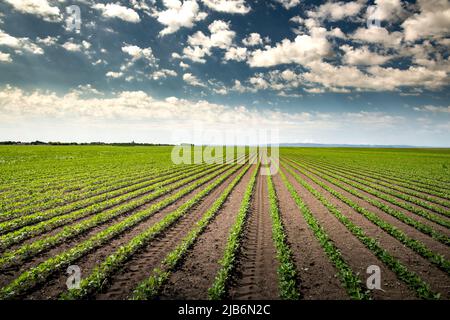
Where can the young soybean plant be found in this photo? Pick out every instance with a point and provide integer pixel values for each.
(287, 274)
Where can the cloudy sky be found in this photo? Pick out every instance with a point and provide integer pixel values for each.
(355, 72)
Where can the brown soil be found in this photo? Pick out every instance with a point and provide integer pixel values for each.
(317, 276)
(256, 272)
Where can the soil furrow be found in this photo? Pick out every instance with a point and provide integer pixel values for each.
(317, 276)
(256, 272)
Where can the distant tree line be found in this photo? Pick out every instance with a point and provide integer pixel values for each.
(51, 143)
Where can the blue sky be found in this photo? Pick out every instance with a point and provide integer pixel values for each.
(374, 72)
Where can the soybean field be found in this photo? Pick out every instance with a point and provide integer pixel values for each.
(113, 222)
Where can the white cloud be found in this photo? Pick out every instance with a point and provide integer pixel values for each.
(433, 109)
(144, 111)
(193, 80)
(228, 6)
(335, 11)
(40, 8)
(386, 11)
(137, 53)
(48, 41)
(302, 50)
(113, 74)
(432, 21)
(288, 4)
(163, 73)
(378, 35)
(236, 53)
(19, 44)
(113, 10)
(253, 39)
(363, 56)
(184, 65)
(76, 47)
(5, 57)
(376, 78)
(200, 45)
(178, 15)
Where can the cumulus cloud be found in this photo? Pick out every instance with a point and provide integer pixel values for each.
(253, 39)
(5, 57)
(335, 11)
(433, 21)
(162, 74)
(236, 53)
(386, 11)
(302, 50)
(137, 53)
(114, 10)
(228, 6)
(108, 118)
(200, 45)
(378, 35)
(113, 74)
(19, 44)
(40, 8)
(376, 77)
(178, 15)
(76, 47)
(433, 109)
(363, 56)
(192, 80)
(288, 4)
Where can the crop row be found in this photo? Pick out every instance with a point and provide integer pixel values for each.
(336, 180)
(93, 205)
(424, 228)
(410, 278)
(43, 201)
(413, 244)
(36, 275)
(150, 287)
(349, 279)
(385, 191)
(422, 194)
(62, 205)
(14, 257)
(98, 278)
(218, 290)
(287, 274)
(406, 177)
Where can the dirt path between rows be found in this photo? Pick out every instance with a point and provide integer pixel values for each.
(317, 276)
(256, 273)
(197, 273)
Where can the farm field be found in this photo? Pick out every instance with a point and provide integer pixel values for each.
(137, 226)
